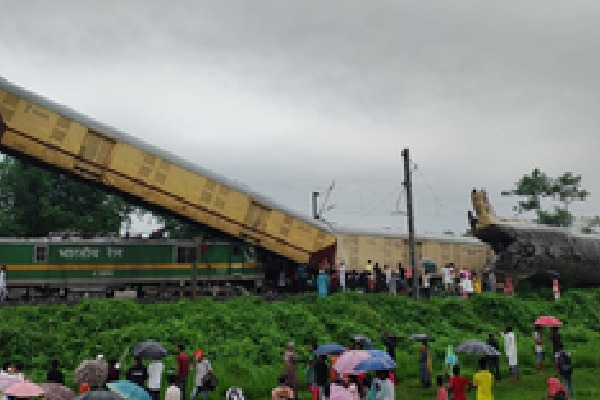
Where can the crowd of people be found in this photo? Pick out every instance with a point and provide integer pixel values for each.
(397, 279)
(325, 382)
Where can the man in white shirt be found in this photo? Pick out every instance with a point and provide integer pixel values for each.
(202, 367)
(510, 348)
(342, 272)
(155, 368)
(446, 278)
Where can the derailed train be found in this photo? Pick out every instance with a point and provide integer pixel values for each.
(526, 250)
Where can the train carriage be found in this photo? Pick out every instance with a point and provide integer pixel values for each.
(48, 267)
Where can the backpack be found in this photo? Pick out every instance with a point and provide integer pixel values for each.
(234, 393)
(564, 363)
(210, 381)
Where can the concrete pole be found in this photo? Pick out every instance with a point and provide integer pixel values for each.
(411, 225)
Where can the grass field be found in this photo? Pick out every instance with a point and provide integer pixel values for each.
(244, 337)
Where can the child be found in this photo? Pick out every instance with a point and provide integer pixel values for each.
(442, 393)
(555, 391)
(173, 392)
(483, 381)
(458, 384)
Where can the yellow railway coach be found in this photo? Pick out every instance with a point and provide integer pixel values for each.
(387, 248)
(34, 127)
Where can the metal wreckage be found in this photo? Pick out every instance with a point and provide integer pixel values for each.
(525, 250)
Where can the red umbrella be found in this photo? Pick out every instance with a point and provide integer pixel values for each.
(547, 320)
(24, 390)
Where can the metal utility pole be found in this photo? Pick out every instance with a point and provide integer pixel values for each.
(411, 223)
(315, 205)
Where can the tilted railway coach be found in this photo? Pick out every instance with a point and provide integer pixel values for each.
(101, 267)
(36, 128)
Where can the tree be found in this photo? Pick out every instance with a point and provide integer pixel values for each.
(537, 185)
(35, 202)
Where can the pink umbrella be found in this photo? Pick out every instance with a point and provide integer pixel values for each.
(347, 361)
(6, 381)
(24, 390)
(547, 320)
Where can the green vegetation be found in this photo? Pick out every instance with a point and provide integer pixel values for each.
(565, 189)
(244, 337)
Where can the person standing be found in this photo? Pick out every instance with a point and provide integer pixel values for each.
(539, 348)
(388, 277)
(442, 392)
(390, 342)
(450, 362)
(322, 284)
(446, 280)
(113, 371)
(155, 368)
(565, 370)
(137, 373)
(508, 286)
(54, 374)
(3, 291)
(556, 288)
(556, 345)
(202, 367)
(383, 386)
(342, 272)
(283, 391)
(182, 371)
(483, 381)
(321, 375)
(290, 365)
(494, 361)
(425, 365)
(510, 348)
(458, 384)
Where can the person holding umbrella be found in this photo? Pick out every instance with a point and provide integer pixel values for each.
(155, 369)
(494, 360)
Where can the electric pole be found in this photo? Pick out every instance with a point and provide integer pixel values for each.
(411, 223)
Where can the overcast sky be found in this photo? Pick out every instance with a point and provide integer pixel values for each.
(287, 96)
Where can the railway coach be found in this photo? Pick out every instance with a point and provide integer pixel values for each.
(103, 267)
(60, 138)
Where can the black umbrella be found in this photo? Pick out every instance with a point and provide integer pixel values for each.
(99, 395)
(476, 347)
(554, 273)
(150, 349)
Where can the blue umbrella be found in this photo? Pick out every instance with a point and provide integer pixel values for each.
(379, 353)
(375, 364)
(128, 390)
(330, 348)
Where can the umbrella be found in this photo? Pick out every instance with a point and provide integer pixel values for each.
(375, 364)
(346, 362)
(553, 273)
(94, 372)
(548, 320)
(56, 391)
(150, 349)
(330, 348)
(24, 390)
(476, 347)
(99, 395)
(378, 353)
(6, 381)
(421, 337)
(128, 390)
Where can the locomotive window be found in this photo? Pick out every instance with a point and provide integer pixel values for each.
(186, 255)
(41, 254)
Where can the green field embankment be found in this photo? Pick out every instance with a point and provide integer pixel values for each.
(244, 337)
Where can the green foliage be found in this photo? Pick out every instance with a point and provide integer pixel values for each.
(537, 185)
(244, 337)
(34, 202)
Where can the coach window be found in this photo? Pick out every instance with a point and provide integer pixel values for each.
(41, 254)
(186, 254)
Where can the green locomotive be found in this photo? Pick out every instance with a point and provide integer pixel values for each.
(100, 267)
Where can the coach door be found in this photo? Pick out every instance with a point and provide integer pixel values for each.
(94, 155)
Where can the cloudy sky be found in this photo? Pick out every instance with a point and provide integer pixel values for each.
(287, 96)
